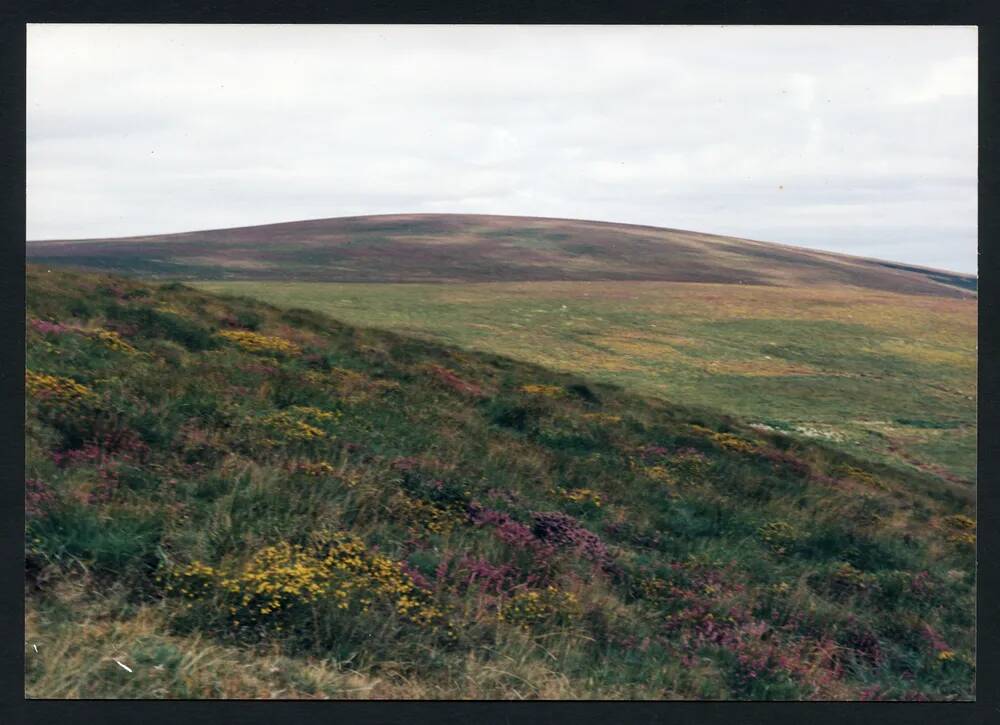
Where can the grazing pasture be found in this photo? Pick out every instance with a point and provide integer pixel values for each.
(887, 376)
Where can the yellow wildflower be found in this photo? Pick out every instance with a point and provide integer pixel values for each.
(254, 342)
(550, 391)
(113, 341)
(54, 388)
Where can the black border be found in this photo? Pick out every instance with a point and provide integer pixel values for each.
(15, 709)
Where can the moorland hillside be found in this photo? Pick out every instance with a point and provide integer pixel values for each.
(228, 499)
(481, 248)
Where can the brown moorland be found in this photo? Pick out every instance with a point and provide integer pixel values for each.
(480, 248)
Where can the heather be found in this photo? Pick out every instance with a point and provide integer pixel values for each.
(237, 500)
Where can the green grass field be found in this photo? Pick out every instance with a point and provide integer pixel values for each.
(230, 499)
(886, 376)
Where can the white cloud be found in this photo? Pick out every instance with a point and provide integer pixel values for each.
(953, 77)
(849, 139)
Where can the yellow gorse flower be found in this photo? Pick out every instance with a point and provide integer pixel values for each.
(298, 424)
(963, 529)
(731, 442)
(726, 441)
(660, 474)
(317, 469)
(317, 414)
(254, 342)
(57, 389)
(113, 341)
(860, 475)
(962, 522)
(534, 606)
(426, 516)
(336, 569)
(549, 391)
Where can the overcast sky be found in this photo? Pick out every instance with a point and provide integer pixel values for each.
(858, 140)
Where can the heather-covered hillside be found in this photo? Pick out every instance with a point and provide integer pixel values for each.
(225, 499)
(483, 248)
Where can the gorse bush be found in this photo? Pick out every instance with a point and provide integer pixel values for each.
(56, 391)
(253, 342)
(532, 608)
(297, 424)
(549, 391)
(277, 486)
(282, 586)
(731, 442)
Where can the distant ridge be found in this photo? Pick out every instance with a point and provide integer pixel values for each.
(485, 248)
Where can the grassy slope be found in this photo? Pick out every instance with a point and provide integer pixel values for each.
(886, 376)
(477, 248)
(195, 481)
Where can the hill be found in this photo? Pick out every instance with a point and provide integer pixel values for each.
(475, 248)
(227, 499)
